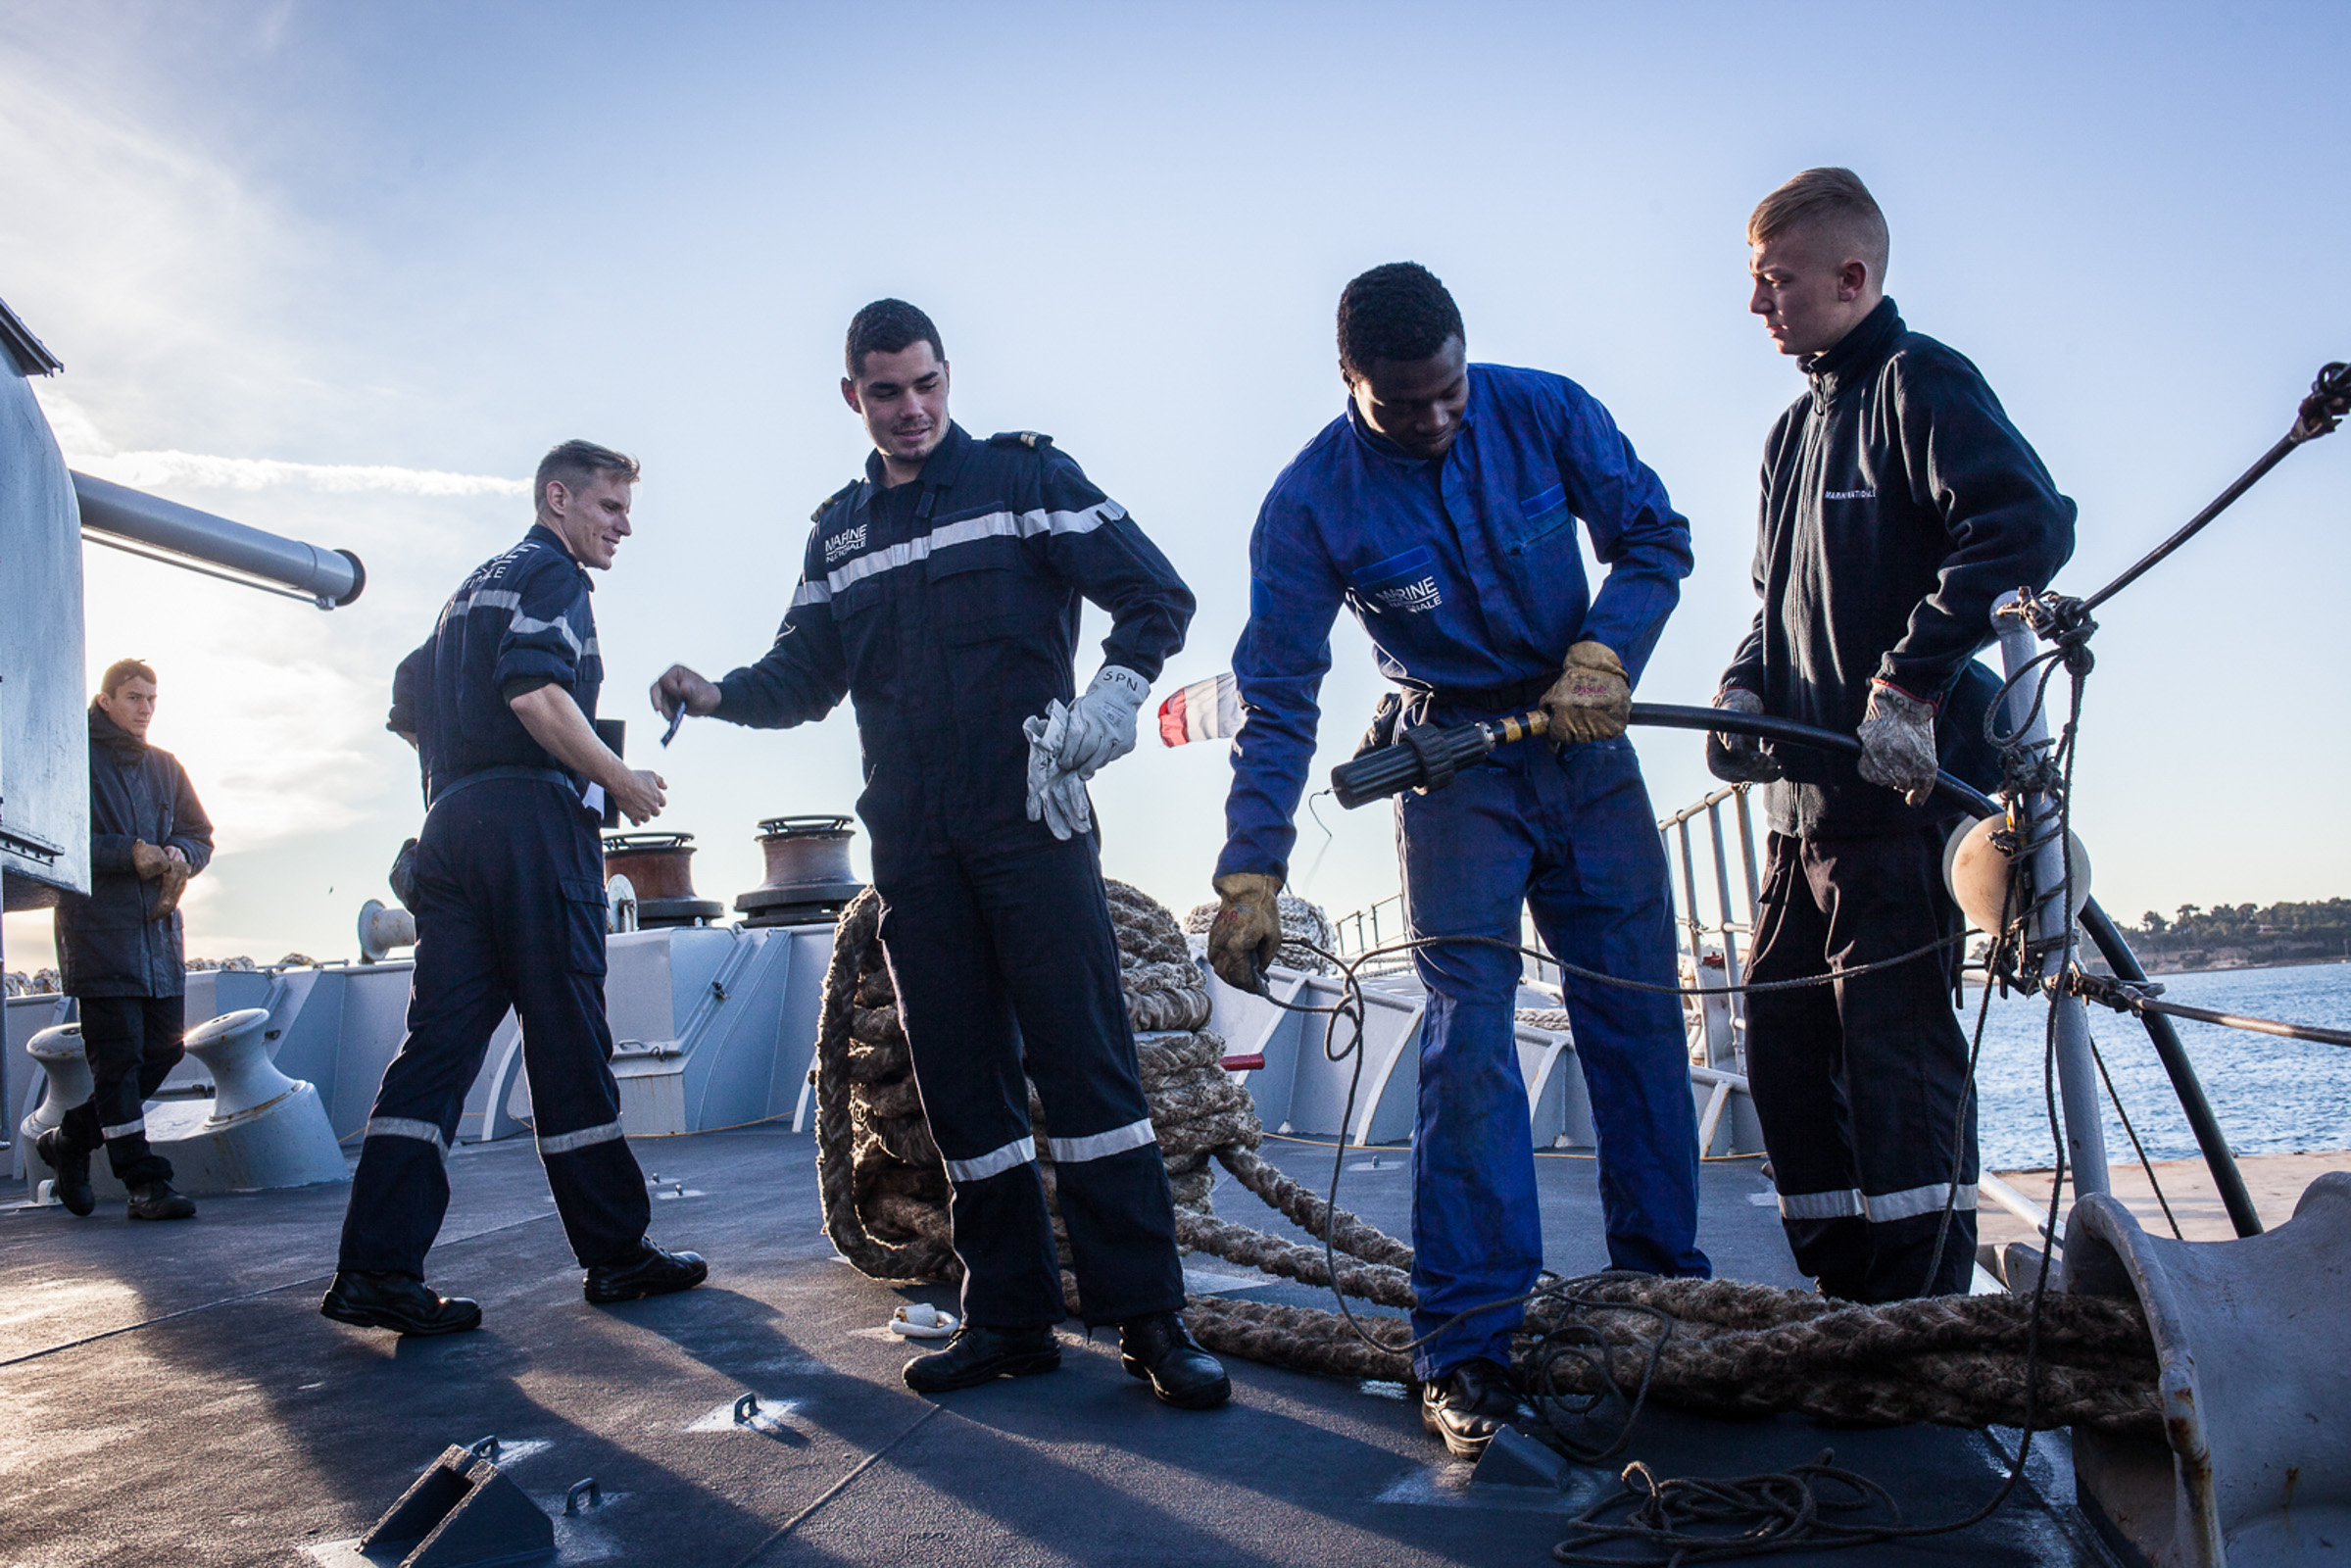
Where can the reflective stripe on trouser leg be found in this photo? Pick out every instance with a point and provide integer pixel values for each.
(1859, 1086)
(496, 868)
(1109, 1179)
(966, 1055)
(1600, 899)
(1017, 929)
(131, 1044)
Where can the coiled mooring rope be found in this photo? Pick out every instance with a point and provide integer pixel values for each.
(1713, 1347)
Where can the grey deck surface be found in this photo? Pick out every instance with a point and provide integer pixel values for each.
(170, 1394)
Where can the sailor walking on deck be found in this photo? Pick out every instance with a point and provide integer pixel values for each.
(941, 593)
(118, 949)
(1441, 511)
(1898, 504)
(510, 909)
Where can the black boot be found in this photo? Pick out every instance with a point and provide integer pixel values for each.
(160, 1201)
(1469, 1403)
(653, 1272)
(71, 1171)
(1161, 1351)
(401, 1303)
(977, 1355)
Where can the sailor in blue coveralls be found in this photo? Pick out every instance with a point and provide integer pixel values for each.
(1441, 511)
(509, 910)
(941, 593)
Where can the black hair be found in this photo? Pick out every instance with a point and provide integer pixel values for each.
(575, 465)
(887, 326)
(1396, 311)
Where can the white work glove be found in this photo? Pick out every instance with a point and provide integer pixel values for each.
(1897, 743)
(1101, 722)
(1057, 796)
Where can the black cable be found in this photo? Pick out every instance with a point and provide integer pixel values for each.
(2144, 1164)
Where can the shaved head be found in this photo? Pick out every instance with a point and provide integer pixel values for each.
(1828, 210)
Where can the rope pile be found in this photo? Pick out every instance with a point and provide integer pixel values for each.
(1714, 1347)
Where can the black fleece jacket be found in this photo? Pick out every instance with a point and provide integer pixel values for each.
(1898, 504)
(107, 943)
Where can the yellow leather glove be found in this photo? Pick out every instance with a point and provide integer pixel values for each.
(1247, 935)
(1592, 698)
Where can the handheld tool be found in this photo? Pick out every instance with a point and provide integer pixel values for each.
(1428, 758)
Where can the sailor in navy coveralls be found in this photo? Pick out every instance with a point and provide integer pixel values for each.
(1441, 511)
(510, 912)
(941, 593)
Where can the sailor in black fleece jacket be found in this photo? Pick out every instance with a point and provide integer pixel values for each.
(1898, 504)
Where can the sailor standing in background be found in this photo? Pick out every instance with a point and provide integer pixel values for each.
(941, 593)
(1442, 510)
(509, 909)
(118, 949)
(1898, 504)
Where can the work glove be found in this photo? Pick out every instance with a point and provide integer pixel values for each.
(1897, 743)
(1739, 759)
(1247, 935)
(1592, 697)
(1101, 722)
(148, 860)
(169, 887)
(1057, 796)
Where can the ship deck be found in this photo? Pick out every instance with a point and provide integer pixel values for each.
(170, 1394)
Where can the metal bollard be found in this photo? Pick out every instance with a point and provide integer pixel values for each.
(2076, 1072)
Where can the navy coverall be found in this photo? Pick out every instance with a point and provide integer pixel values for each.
(1466, 574)
(510, 913)
(1898, 504)
(124, 967)
(947, 609)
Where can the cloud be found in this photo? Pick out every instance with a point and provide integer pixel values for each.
(149, 470)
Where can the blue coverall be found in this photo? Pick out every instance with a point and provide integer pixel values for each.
(947, 609)
(1466, 574)
(510, 913)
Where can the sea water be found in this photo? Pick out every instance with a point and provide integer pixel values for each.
(2271, 1096)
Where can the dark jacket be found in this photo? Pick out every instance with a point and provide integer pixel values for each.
(947, 609)
(520, 620)
(107, 946)
(1898, 504)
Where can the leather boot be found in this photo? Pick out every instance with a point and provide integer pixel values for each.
(1468, 1403)
(401, 1303)
(977, 1355)
(655, 1271)
(72, 1171)
(1161, 1351)
(160, 1201)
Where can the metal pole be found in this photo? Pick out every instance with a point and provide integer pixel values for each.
(2076, 1072)
(330, 576)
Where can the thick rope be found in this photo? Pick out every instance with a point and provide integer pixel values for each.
(1714, 1347)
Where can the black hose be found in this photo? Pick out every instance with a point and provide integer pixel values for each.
(2102, 930)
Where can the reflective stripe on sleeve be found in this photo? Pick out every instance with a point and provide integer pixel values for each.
(1841, 1205)
(124, 1128)
(525, 625)
(1117, 1141)
(565, 1142)
(404, 1127)
(812, 593)
(993, 1163)
(1917, 1201)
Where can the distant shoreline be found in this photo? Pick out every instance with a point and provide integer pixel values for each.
(2209, 969)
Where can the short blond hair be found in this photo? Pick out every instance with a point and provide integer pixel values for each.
(1833, 201)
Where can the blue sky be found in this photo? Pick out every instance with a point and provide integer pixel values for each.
(441, 237)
